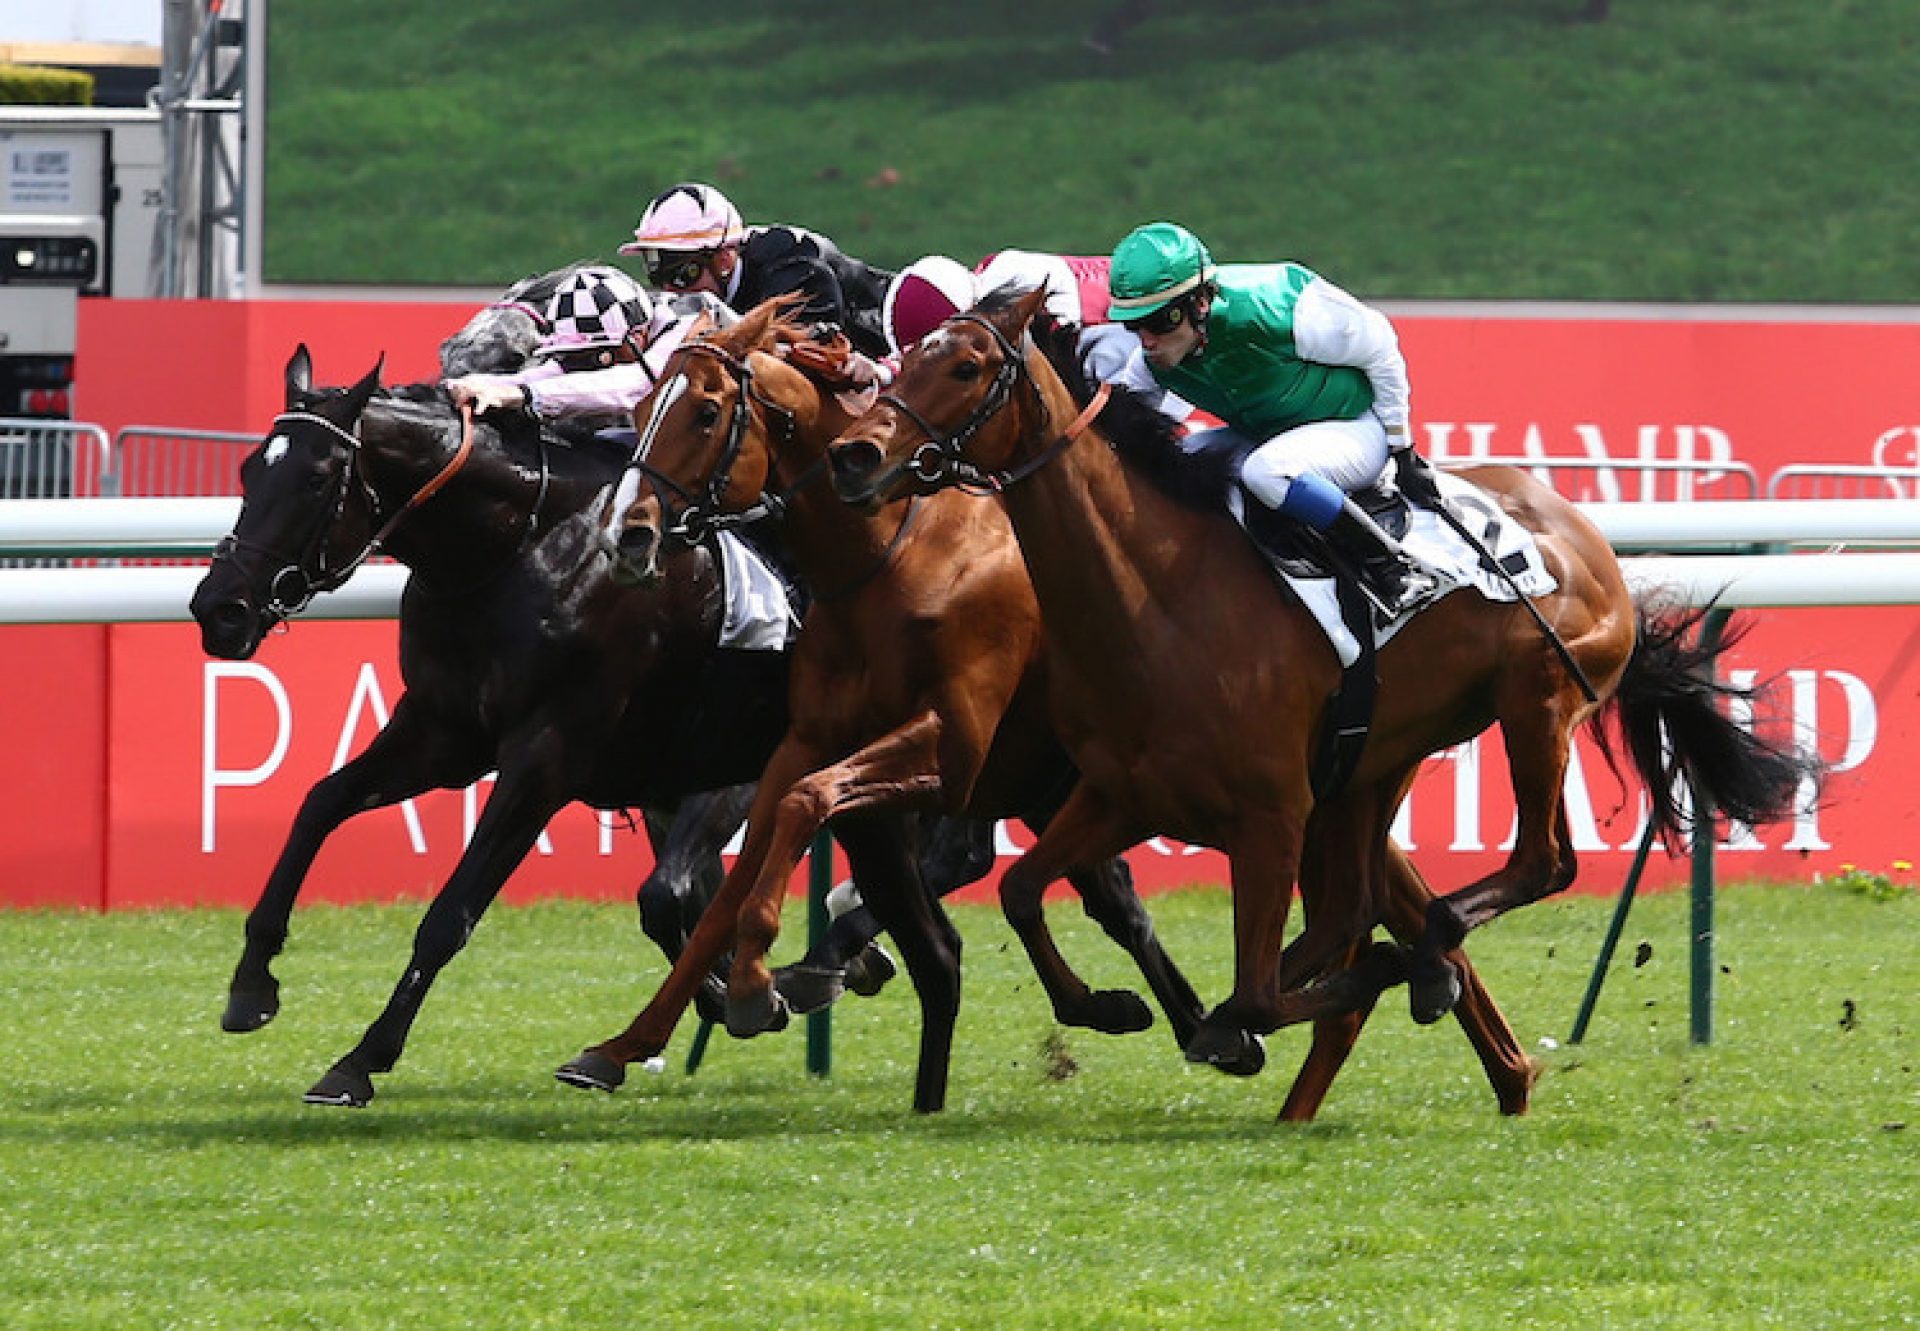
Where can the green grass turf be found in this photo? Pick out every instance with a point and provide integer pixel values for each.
(155, 1172)
(1407, 148)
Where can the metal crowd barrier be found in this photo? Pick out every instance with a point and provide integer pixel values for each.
(1823, 481)
(155, 460)
(49, 459)
(42, 459)
(1623, 480)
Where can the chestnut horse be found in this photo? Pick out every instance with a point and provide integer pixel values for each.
(918, 682)
(1190, 694)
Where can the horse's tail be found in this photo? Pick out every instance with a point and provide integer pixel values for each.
(1670, 710)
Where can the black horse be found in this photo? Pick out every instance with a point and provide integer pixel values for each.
(503, 337)
(518, 653)
(954, 852)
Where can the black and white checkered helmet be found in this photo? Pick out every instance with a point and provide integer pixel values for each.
(596, 307)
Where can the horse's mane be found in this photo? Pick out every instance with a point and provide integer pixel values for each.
(766, 327)
(774, 327)
(1141, 436)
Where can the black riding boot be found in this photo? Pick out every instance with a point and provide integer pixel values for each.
(1392, 580)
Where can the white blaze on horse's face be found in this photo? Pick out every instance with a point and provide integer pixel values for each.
(276, 449)
(628, 490)
(937, 340)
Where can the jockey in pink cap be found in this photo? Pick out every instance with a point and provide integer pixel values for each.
(691, 238)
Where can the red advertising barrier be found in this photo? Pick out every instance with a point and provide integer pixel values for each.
(144, 774)
(1766, 394)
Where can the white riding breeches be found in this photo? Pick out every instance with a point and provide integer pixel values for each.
(1349, 454)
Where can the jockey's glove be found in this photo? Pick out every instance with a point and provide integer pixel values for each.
(1416, 477)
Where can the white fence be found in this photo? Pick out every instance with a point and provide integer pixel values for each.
(130, 528)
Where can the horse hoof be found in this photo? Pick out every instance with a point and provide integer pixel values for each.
(1433, 992)
(869, 971)
(343, 1088)
(810, 988)
(1237, 1053)
(1111, 1012)
(592, 1071)
(757, 1014)
(249, 1011)
(710, 1000)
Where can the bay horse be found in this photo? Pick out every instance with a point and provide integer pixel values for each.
(918, 683)
(1190, 694)
(518, 652)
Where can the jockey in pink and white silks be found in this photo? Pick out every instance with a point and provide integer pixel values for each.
(1310, 382)
(610, 340)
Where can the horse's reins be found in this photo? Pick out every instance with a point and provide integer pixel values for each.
(940, 461)
(325, 579)
(703, 514)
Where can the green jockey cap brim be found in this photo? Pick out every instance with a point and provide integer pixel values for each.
(1154, 266)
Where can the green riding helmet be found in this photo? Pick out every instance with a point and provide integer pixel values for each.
(1155, 265)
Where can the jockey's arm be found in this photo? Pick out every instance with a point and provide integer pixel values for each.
(612, 391)
(499, 392)
(1332, 328)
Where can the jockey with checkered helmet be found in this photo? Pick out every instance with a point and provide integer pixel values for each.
(607, 340)
(1310, 382)
(691, 239)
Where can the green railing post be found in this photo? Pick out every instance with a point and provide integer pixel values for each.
(819, 883)
(1605, 959)
(819, 1024)
(1701, 924)
(1701, 919)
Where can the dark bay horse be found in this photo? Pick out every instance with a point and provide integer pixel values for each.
(918, 682)
(518, 652)
(1190, 694)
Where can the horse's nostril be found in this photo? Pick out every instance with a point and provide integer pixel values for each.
(227, 629)
(638, 541)
(856, 457)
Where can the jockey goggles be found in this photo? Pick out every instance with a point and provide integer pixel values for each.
(1161, 322)
(675, 270)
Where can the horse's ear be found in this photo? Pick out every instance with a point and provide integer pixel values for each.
(299, 376)
(1021, 312)
(369, 384)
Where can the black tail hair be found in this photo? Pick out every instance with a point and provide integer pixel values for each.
(1670, 714)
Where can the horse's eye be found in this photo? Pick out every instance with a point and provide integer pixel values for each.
(705, 417)
(316, 481)
(967, 371)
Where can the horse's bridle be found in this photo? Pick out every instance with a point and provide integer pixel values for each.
(941, 461)
(292, 588)
(701, 515)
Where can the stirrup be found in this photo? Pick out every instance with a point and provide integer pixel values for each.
(1413, 585)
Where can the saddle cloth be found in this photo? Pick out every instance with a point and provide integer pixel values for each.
(760, 616)
(1431, 541)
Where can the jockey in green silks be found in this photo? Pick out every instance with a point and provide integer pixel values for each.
(1310, 382)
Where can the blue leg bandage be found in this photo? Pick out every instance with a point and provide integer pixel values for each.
(1313, 500)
